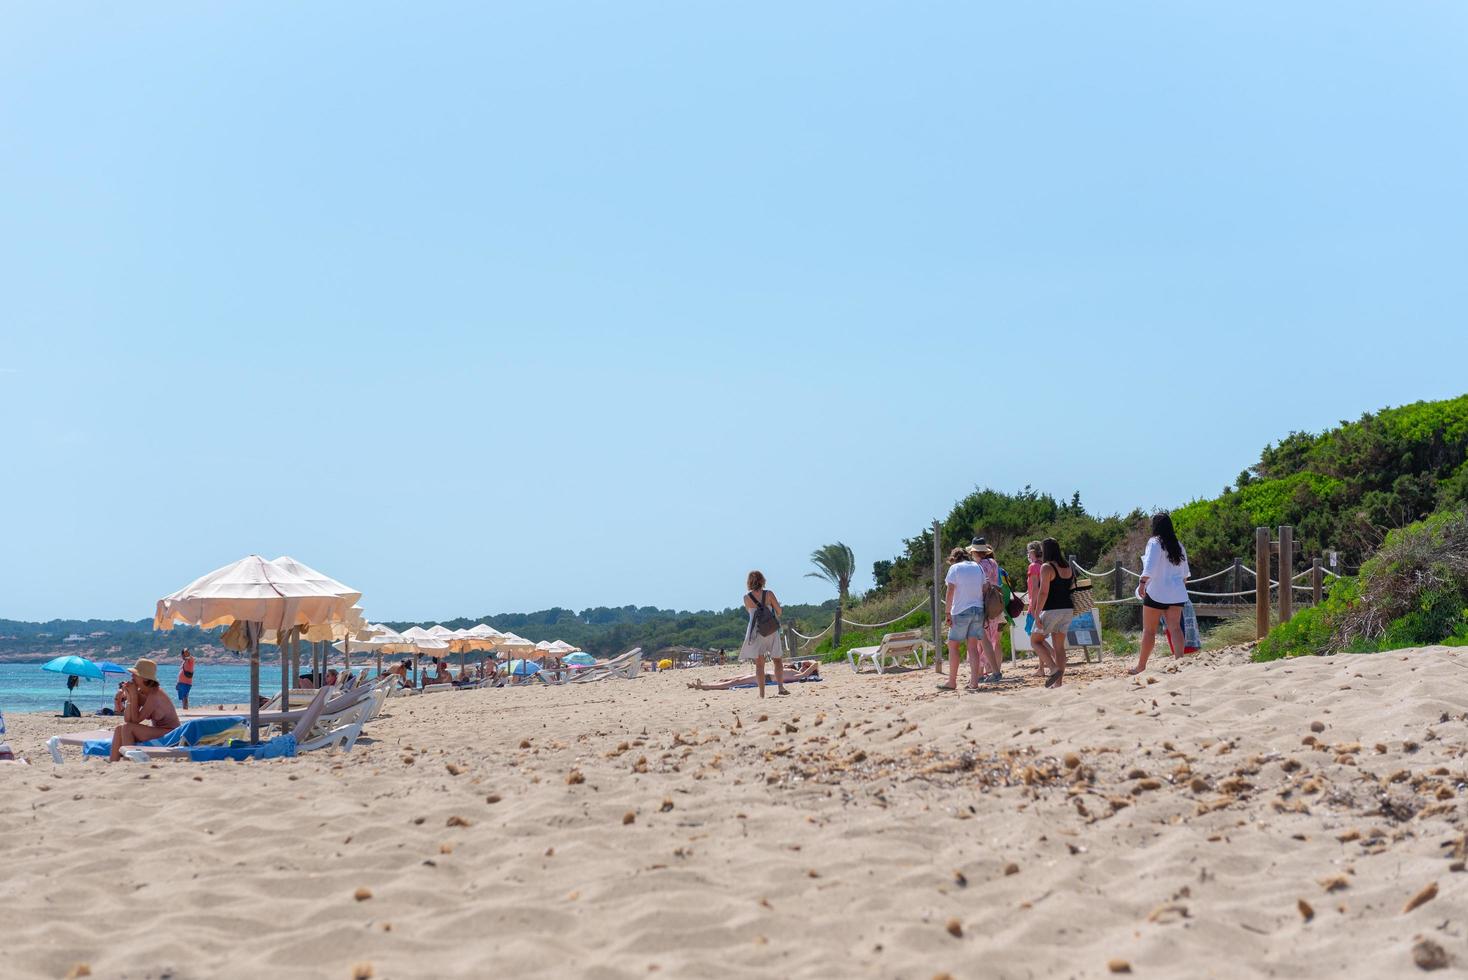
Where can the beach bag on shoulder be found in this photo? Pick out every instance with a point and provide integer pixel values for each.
(765, 621)
(993, 601)
(1082, 599)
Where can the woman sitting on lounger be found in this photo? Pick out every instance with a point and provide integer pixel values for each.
(146, 711)
(809, 671)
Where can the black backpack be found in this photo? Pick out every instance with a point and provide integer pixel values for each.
(765, 622)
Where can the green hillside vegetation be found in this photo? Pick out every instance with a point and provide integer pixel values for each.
(1412, 592)
(1351, 489)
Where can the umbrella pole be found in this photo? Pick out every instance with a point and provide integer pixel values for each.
(252, 637)
(347, 652)
(379, 663)
(283, 644)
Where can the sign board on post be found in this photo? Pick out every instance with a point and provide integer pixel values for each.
(1085, 631)
(1334, 560)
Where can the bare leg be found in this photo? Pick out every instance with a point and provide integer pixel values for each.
(996, 652)
(953, 647)
(780, 675)
(975, 662)
(1057, 647)
(1150, 618)
(1042, 652)
(1174, 616)
(131, 733)
(759, 673)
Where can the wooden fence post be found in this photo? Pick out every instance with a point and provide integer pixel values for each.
(938, 599)
(1116, 584)
(1261, 582)
(1317, 580)
(1286, 569)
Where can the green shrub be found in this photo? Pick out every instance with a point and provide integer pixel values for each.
(1438, 618)
(1309, 632)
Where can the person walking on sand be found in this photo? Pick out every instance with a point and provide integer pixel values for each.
(1032, 595)
(762, 635)
(146, 711)
(983, 553)
(1164, 587)
(1052, 621)
(964, 617)
(185, 679)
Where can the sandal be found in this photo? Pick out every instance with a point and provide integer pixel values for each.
(946, 687)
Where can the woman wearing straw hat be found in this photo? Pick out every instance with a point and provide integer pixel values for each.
(146, 711)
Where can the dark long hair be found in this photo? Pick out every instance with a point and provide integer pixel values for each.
(1050, 552)
(1163, 532)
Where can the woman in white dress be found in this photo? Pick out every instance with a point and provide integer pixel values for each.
(761, 602)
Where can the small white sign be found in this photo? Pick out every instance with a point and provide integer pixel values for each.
(1334, 560)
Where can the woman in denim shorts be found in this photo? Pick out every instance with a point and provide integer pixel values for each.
(965, 617)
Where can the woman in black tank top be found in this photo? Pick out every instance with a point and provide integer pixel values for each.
(1058, 597)
(1057, 579)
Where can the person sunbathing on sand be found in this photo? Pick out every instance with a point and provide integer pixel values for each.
(808, 671)
(146, 711)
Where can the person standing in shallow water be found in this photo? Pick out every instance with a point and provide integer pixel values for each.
(757, 647)
(185, 679)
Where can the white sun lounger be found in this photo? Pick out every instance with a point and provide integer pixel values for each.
(894, 651)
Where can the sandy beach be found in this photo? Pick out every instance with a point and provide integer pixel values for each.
(1219, 818)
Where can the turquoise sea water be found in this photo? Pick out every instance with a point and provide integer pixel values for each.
(26, 687)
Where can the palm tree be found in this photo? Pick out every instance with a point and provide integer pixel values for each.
(835, 563)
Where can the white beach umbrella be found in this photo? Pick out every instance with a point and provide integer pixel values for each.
(255, 592)
(416, 640)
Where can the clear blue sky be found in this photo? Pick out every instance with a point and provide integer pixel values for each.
(493, 307)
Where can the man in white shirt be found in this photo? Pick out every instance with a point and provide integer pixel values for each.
(964, 618)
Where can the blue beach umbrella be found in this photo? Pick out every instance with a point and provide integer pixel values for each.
(72, 664)
(108, 667)
(579, 659)
(524, 668)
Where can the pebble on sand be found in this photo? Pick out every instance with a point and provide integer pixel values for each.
(1118, 966)
(1307, 911)
(79, 970)
(1428, 955)
(1421, 898)
(362, 971)
(629, 817)
(955, 928)
(362, 894)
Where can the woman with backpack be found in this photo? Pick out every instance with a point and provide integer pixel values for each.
(762, 636)
(1053, 610)
(1164, 587)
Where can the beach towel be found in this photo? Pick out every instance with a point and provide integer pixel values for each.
(197, 731)
(788, 680)
(279, 747)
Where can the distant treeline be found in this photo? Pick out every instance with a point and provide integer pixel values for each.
(603, 631)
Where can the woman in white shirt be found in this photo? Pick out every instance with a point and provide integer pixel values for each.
(1164, 587)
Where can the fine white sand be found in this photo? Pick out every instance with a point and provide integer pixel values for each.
(862, 826)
